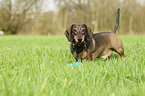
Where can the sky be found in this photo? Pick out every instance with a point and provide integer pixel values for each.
(49, 5)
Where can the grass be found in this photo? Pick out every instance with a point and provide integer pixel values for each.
(36, 65)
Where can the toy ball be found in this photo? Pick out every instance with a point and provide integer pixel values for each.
(74, 64)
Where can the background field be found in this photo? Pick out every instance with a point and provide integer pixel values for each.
(36, 65)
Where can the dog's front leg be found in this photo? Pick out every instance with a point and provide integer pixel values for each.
(89, 57)
(76, 59)
(75, 55)
(81, 59)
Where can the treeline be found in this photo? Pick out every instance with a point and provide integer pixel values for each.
(27, 16)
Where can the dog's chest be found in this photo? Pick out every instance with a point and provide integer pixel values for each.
(80, 55)
(80, 52)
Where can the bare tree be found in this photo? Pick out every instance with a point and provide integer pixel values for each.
(15, 13)
(26, 15)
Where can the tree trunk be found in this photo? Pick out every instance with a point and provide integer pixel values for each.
(130, 24)
(65, 18)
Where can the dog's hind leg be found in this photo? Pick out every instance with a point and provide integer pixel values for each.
(120, 51)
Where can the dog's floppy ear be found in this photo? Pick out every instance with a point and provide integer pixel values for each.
(89, 33)
(68, 33)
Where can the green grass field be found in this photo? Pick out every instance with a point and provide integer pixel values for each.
(37, 65)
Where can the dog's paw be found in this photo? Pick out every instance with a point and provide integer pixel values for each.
(104, 57)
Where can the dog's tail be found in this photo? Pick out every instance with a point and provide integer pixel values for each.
(117, 21)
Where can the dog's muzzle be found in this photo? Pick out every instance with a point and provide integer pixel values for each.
(79, 40)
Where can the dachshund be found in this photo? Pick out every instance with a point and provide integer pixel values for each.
(86, 45)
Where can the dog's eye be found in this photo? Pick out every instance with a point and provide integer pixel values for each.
(75, 33)
(75, 30)
(83, 32)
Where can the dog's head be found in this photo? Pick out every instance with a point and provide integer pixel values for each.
(78, 33)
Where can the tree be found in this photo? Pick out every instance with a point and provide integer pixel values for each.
(15, 13)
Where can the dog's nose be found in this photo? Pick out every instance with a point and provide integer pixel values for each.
(80, 39)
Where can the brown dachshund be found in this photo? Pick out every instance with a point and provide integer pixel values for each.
(86, 45)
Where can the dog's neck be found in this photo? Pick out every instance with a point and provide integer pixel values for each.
(84, 46)
(81, 47)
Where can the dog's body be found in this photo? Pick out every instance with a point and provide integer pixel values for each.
(106, 42)
(86, 45)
